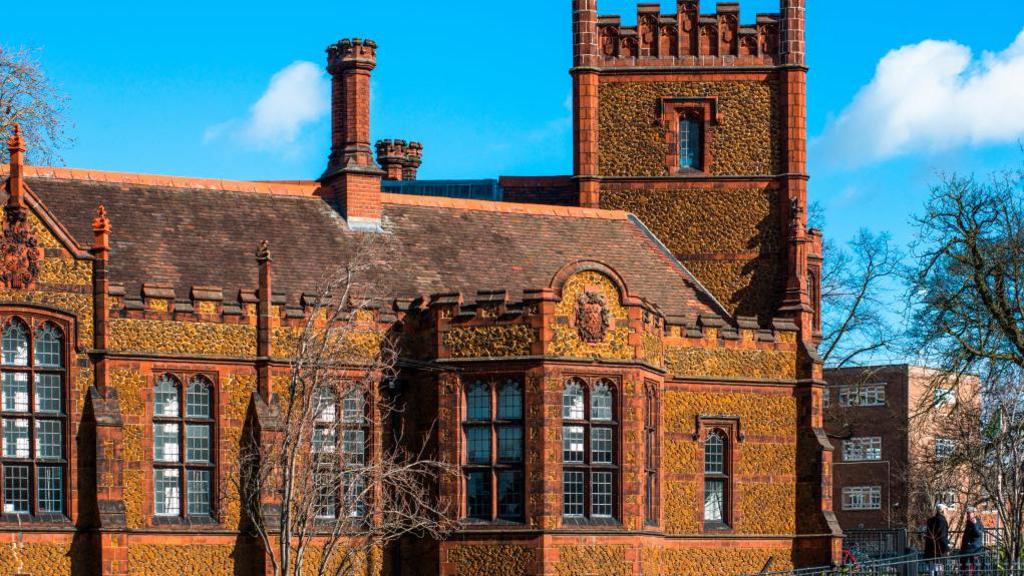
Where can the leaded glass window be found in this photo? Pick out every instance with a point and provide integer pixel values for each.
(34, 426)
(589, 453)
(689, 144)
(183, 445)
(492, 466)
(716, 478)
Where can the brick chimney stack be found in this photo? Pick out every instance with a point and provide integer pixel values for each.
(413, 160)
(352, 179)
(585, 101)
(391, 157)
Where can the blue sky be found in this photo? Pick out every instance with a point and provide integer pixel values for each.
(485, 86)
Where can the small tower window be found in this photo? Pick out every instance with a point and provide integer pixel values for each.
(689, 144)
(715, 478)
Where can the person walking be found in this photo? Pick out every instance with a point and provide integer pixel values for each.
(972, 543)
(936, 540)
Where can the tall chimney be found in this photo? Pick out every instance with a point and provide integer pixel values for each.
(352, 179)
(585, 101)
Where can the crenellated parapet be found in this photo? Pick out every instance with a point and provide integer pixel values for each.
(399, 159)
(689, 38)
(351, 53)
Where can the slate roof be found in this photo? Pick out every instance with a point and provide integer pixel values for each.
(186, 233)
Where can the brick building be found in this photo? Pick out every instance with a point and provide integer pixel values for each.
(649, 323)
(882, 422)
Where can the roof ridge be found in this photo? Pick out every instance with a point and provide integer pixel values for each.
(273, 188)
(507, 207)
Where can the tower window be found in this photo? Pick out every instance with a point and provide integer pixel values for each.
(716, 478)
(690, 144)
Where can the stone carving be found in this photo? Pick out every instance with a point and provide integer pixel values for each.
(592, 317)
(609, 42)
(19, 254)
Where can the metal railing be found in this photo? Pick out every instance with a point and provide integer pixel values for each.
(982, 564)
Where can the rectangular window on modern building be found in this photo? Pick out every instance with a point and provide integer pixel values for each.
(864, 395)
(863, 448)
(862, 498)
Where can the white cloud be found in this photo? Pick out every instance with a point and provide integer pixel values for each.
(297, 95)
(930, 97)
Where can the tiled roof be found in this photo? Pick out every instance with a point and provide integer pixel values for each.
(186, 232)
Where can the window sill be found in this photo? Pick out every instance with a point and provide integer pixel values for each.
(499, 522)
(595, 522)
(45, 518)
(185, 521)
(717, 527)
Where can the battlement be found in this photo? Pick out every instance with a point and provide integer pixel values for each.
(351, 53)
(689, 38)
(400, 159)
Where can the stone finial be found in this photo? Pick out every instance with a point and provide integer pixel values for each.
(101, 224)
(16, 143)
(263, 252)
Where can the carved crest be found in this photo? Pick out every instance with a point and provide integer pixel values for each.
(19, 253)
(591, 317)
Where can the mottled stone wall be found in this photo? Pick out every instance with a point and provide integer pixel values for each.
(764, 466)
(592, 560)
(738, 558)
(729, 237)
(750, 364)
(491, 559)
(192, 559)
(632, 136)
(184, 338)
(490, 341)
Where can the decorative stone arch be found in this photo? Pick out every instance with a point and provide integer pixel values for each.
(569, 270)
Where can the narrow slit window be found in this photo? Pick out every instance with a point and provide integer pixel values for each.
(689, 144)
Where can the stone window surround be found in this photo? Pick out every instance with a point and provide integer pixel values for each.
(33, 318)
(494, 383)
(587, 383)
(183, 374)
(730, 428)
(672, 110)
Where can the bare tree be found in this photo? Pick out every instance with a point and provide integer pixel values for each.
(343, 481)
(982, 458)
(855, 283)
(29, 99)
(966, 293)
(968, 286)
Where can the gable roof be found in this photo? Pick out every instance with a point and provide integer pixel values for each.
(185, 232)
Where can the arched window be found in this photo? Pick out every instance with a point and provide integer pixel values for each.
(338, 472)
(15, 343)
(589, 455)
(500, 471)
(183, 479)
(651, 455)
(49, 346)
(572, 400)
(716, 478)
(34, 455)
